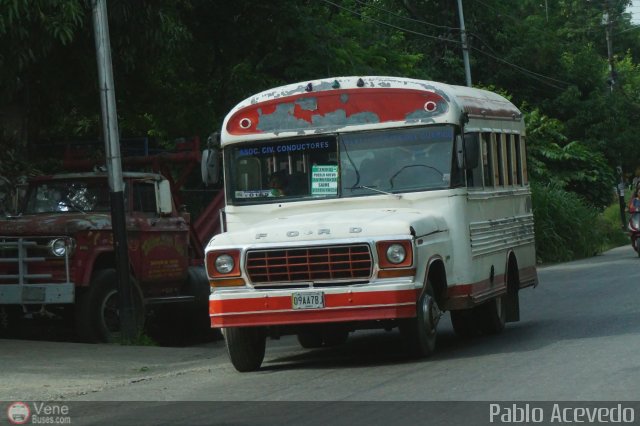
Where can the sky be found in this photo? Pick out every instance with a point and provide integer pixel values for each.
(635, 11)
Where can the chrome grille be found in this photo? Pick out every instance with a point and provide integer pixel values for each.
(29, 260)
(343, 262)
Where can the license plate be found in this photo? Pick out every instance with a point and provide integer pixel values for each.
(313, 300)
(33, 294)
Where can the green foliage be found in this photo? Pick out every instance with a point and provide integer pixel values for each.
(571, 166)
(566, 228)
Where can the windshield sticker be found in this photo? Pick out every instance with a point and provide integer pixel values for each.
(324, 180)
(254, 194)
(293, 147)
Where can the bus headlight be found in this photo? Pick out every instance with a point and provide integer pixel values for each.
(396, 254)
(224, 264)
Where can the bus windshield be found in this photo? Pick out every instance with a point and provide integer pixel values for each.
(341, 165)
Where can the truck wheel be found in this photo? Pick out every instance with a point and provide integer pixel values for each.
(198, 287)
(10, 320)
(246, 346)
(492, 315)
(310, 339)
(465, 323)
(97, 316)
(420, 332)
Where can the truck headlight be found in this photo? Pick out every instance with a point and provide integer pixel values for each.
(396, 254)
(61, 247)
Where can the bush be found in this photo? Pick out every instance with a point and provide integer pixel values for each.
(567, 228)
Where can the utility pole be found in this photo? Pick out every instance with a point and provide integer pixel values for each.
(465, 45)
(606, 18)
(128, 326)
(546, 9)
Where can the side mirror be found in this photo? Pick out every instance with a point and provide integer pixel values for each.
(164, 200)
(471, 150)
(460, 152)
(210, 166)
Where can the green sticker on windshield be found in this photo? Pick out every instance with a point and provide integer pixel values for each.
(324, 180)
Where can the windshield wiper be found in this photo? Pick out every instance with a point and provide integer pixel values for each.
(375, 190)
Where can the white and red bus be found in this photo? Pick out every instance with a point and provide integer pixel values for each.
(370, 202)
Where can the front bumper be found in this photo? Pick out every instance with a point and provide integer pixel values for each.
(29, 276)
(341, 304)
(25, 294)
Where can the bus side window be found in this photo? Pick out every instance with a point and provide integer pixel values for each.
(474, 176)
(514, 161)
(518, 159)
(486, 159)
(510, 163)
(523, 158)
(502, 144)
(498, 165)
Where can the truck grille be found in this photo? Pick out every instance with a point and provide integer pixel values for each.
(344, 262)
(29, 260)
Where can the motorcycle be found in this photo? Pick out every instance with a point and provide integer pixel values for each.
(634, 231)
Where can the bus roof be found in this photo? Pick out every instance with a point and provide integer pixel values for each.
(359, 103)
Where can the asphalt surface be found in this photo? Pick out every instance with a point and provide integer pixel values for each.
(578, 341)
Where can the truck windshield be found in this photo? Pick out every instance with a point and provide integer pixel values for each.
(341, 165)
(68, 196)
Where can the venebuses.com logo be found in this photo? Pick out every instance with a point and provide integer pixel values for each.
(18, 413)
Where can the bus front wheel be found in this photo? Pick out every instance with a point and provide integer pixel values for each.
(420, 332)
(246, 347)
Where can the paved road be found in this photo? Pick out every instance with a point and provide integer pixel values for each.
(578, 340)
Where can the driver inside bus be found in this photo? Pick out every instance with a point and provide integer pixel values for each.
(278, 183)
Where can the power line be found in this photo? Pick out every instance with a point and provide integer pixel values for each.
(407, 18)
(539, 77)
(391, 25)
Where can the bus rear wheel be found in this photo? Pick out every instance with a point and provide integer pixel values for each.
(310, 339)
(492, 315)
(465, 323)
(246, 347)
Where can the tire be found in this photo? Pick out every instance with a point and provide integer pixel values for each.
(198, 287)
(465, 323)
(310, 339)
(10, 320)
(420, 332)
(492, 315)
(246, 347)
(97, 318)
(335, 336)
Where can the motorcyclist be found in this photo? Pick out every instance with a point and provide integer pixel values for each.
(634, 203)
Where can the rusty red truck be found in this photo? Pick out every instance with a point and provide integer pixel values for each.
(57, 255)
